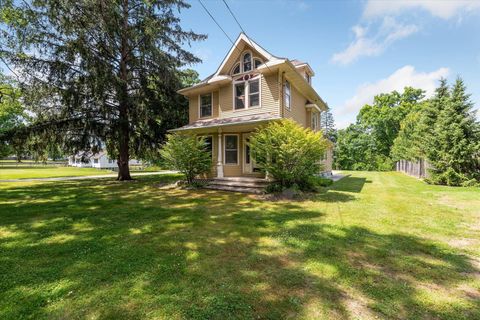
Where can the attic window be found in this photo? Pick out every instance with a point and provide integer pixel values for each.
(247, 62)
(256, 63)
(308, 77)
(236, 69)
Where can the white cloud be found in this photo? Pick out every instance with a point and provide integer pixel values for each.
(401, 78)
(446, 9)
(373, 45)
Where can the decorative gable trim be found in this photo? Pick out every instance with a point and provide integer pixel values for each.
(249, 42)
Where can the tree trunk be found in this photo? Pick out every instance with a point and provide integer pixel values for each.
(124, 130)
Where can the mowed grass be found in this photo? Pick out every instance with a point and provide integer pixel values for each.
(20, 172)
(374, 245)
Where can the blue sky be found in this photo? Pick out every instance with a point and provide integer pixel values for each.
(356, 48)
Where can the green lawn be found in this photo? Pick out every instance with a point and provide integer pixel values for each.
(12, 172)
(374, 245)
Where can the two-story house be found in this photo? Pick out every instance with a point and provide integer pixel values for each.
(250, 88)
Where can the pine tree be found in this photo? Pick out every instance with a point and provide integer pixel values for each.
(98, 72)
(428, 119)
(457, 138)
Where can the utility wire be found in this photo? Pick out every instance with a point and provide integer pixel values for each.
(241, 28)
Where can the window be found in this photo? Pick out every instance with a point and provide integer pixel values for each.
(247, 62)
(315, 121)
(287, 95)
(256, 63)
(236, 69)
(110, 160)
(240, 95)
(231, 149)
(254, 93)
(205, 105)
(95, 160)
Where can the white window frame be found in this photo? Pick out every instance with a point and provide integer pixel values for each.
(239, 68)
(315, 121)
(251, 61)
(247, 93)
(289, 106)
(200, 105)
(225, 149)
(240, 63)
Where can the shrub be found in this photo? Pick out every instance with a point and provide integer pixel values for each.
(187, 154)
(287, 152)
(450, 178)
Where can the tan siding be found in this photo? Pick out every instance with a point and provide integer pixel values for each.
(192, 109)
(297, 112)
(269, 99)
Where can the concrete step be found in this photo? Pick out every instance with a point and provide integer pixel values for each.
(242, 179)
(237, 184)
(235, 189)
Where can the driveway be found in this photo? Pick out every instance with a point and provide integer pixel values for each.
(110, 175)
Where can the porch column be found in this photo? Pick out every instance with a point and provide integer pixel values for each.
(219, 155)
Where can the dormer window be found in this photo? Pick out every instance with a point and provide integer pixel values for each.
(256, 63)
(247, 62)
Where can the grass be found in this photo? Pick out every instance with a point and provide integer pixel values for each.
(12, 172)
(374, 245)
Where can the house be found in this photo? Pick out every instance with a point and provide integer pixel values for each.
(250, 88)
(98, 160)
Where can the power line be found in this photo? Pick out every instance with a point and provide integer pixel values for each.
(211, 16)
(241, 28)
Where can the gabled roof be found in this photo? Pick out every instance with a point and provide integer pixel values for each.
(243, 38)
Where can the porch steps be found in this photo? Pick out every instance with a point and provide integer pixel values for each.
(238, 184)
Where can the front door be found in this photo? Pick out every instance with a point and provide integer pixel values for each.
(247, 157)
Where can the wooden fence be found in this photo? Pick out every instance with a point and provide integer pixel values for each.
(418, 169)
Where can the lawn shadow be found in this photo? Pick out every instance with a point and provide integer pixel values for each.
(130, 250)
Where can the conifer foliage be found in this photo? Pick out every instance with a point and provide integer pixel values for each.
(97, 72)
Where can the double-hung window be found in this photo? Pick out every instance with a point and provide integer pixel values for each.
(206, 105)
(254, 93)
(287, 95)
(240, 95)
(246, 93)
(231, 149)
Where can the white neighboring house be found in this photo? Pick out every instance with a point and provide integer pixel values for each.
(98, 160)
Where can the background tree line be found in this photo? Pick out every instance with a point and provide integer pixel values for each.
(442, 130)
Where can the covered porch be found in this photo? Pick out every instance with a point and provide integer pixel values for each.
(228, 141)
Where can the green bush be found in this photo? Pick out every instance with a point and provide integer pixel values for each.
(187, 154)
(287, 152)
(450, 178)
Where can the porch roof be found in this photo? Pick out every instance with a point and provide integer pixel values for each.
(234, 121)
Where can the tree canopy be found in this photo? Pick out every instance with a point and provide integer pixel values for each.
(98, 73)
